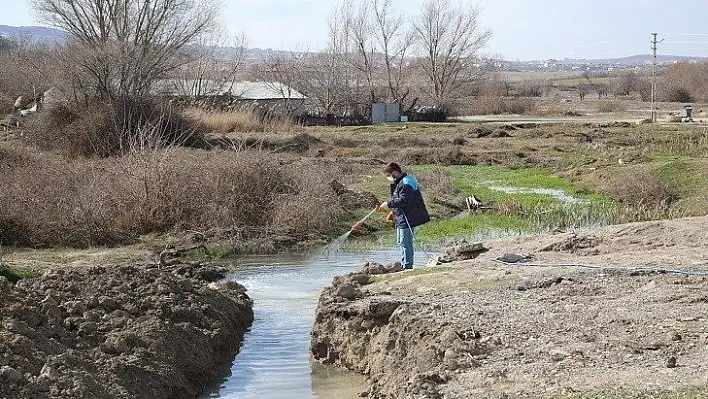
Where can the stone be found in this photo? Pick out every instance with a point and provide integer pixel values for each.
(514, 258)
(49, 372)
(373, 268)
(348, 291)
(558, 355)
(10, 374)
(107, 303)
(462, 250)
(671, 363)
(228, 286)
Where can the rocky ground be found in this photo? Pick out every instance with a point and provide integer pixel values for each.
(482, 329)
(124, 332)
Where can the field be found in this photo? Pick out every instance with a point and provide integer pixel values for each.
(620, 171)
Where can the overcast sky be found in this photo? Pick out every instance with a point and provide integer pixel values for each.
(523, 29)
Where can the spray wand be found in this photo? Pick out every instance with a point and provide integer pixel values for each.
(358, 225)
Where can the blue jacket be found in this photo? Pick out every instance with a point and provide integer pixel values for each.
(407, 203)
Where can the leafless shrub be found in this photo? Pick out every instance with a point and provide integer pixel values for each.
(601, 89)
(49, 200)
(685, 82)
(112, 128)
(678, 95)
(531, 88)
(25, 70)
(643, 190)
(626, 83)
(438, 183)
(449, 155)
(608, 106)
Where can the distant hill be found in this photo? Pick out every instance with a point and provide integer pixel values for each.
(40, 34)
(37, 34)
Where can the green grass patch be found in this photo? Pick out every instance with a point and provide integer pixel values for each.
(216, 252)
(473, 226)
(477, 180)
(14, 274)
(536, 211)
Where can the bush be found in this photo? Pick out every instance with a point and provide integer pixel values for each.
(643, 190)
(51, 201)
(531, 88)
(113, 128)
(610, 106)
(678, 95)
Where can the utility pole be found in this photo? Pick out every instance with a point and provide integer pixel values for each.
(654, 44)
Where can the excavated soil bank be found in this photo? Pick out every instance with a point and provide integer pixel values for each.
(481, 329)
(134, 331)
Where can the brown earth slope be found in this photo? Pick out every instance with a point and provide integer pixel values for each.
(123, 332)
(480, 329)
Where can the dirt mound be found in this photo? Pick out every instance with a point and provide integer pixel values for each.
(299, 143)
(373, 268)
(351, 331)
(136, 331)
(481, 329)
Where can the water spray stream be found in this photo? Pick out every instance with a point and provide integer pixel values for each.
(337, 243)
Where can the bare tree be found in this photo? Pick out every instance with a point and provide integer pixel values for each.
(449, 37)
(583, 90)
(327, 77)
(360, 29)
(626, 83)
(281, 71)
(394, 40)
(214, 65)
(601, 89)
(381, 40)
(130, 42)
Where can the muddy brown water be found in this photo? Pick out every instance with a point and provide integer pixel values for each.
(274, 361)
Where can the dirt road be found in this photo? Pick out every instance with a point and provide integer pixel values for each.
(482, 329)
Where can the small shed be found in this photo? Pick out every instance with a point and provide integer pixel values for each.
(382, 112)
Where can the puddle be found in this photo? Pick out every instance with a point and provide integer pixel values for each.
(554, 193)
(274, 361)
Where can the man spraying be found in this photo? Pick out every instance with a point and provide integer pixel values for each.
(408, 209)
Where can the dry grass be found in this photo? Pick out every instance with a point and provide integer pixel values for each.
(244, 120)
(643, 190)
(608, 106)
(49, 200)
(498, 105)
